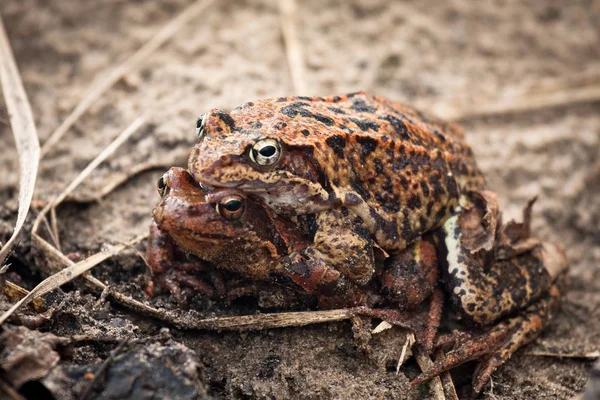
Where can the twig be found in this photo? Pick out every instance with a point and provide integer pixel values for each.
(410, 340)
(116, 183)
(24, 132)
(12, 393)
(101, 86)
(293, 46)
(435, 384)
(447, 383)
(535, 95)
(115, 144)
(15, 293)
(54, 225)
(64, 276)
(520, 104)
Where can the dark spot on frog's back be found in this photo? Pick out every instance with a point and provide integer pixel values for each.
(359, 105)
(365, 125)
(452, 187)
(414, 202)
(439, 135)
(378, 166)
(226, 118)
(336, 110)
(305, 132)
(293, 109)
(398, 126)
(324, 119)
(367, 146)
(337, 144)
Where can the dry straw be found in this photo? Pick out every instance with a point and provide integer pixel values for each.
(24, 132)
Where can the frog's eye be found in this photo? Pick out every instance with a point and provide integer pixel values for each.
(265, 152)
(232, 207)
(200, 124)
(163, 185)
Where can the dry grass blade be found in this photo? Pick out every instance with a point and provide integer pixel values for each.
(111, 148)
(101, 86)
(535, 95)
(64, 276)
(447, 383)
(118, 181)
(293, 46)
(15, 293)
(270, 321)
(23, 128)
(435, 385)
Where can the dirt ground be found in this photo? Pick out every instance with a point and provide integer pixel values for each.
(451, 58)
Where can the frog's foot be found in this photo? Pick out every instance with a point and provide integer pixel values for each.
(423, 323)
(496, 346)
(174, 279)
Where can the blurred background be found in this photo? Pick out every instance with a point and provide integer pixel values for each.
(522, 77)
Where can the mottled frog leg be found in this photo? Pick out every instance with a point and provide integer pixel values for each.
(483, 288)
(343, 241)
(313, 275)
(408, 278)
(497, 345)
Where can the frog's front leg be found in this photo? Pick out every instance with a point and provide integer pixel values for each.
(169, 270)
(309, 273)
(342, 241)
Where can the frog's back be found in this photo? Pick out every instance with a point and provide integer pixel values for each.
(408, 168)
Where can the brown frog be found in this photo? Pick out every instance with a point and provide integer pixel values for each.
(233, 233)
(405, 176)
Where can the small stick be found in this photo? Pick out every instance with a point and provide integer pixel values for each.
(449, 389)
(10, 391)
(54, 226)
(24, 132)
(293, 46)
(435, 384)
(410, 340)
(16, 293)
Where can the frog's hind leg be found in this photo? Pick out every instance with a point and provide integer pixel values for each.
(483, 286)
(498, 344)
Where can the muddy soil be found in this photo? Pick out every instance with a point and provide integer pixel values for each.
(447, 57)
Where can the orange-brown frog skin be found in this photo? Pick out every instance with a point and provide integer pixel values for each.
(403, 174)
(248, 241)
(400, 172)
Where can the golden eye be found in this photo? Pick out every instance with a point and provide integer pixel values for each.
(200, 124)
(163, 185)
(232, 207)
(266, 152)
